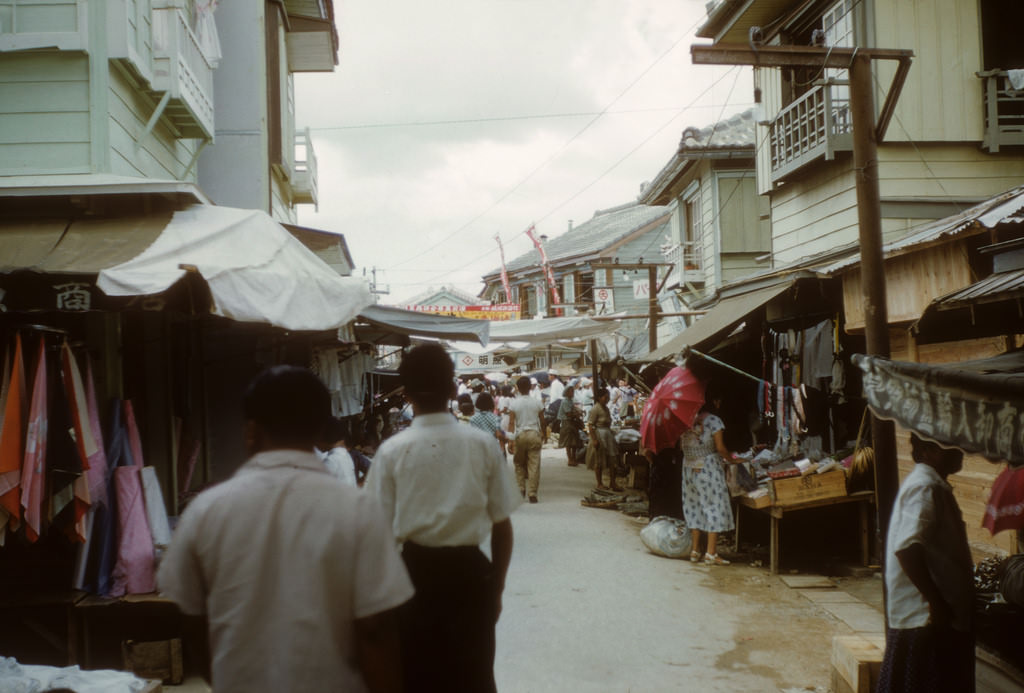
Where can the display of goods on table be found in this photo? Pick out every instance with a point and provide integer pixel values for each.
(807, 487)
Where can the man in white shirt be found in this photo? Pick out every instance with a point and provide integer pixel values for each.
(526, 420)
(334, 453)
(446, 488)
(929, 578)
(556, 389)
(293, 576)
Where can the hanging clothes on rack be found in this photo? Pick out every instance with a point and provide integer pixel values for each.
(85, 443)
(12, 441)
(63, 460)
(134, 571)
(34, 467)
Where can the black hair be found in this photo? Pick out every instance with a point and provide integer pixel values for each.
(484, 402)
(290, 404)
(428, 374)
(335, 430)
(523, 385)
(601, 392)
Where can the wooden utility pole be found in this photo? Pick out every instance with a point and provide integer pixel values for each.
(867, 132)
(653, 289)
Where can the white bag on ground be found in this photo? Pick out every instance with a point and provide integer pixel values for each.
(667, 536)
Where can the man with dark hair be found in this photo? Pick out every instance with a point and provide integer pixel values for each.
(445, 488)
(293, 574)
(929, 578)
(526, 420)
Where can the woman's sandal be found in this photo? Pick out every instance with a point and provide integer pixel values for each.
(695, 557)
(714, 559)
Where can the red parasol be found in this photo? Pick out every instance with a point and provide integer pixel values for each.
(671, 409)
(1005, 509)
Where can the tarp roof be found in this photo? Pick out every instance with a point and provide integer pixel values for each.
(548, 330)
(988, 308)
(724, 316)
(972, 405)
(255, 269)
(414, 323)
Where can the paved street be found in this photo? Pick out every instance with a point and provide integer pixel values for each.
(587, 608)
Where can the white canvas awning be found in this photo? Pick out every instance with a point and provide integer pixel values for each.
(255, 269)
(549, 330)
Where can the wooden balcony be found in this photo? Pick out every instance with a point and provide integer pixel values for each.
(1004, 111)
(304, 171)
(182, 74)
(815, 126)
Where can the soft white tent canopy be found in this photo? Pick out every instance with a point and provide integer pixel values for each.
(256, 270)
(549, 330)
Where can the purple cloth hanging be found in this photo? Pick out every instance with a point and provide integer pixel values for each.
(134, 571)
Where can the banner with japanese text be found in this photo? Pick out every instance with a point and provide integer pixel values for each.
(498, 311)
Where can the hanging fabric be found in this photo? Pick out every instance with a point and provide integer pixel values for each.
(34, 467)
(97, 471)
(83, 436)
(12, 441)
(102, 553)
(63, 460)
(134, 570)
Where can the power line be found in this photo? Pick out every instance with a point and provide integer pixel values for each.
(496, 119)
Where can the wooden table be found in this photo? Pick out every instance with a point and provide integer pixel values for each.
(863, 499)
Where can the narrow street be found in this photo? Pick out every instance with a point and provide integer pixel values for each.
(587, 608)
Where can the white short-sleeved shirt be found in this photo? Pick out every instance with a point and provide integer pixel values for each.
(926, 513)
(281, 558)
(442, 484)
(528, 412)
(338, 463)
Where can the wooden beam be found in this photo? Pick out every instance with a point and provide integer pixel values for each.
(790, 56)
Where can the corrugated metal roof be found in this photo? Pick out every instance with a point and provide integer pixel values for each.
(995, 287)
(1005, 208)
(598, 233)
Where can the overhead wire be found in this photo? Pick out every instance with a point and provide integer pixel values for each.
(558, 152)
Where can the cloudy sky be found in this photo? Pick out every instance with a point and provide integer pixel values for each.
(450, 122)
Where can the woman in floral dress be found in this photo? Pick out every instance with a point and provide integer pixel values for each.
(707, 504)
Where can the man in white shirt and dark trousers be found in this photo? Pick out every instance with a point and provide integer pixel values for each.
(929, 579)
(446, 488)
(526, 419)
(293, 575)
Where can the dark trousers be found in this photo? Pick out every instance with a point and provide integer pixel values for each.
(447, 628)
(927, 660)
(665, 486)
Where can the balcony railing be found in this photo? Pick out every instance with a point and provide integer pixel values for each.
(687, 258)
(1004, 111)
(182, 71)
(304, 174)
(816, 125)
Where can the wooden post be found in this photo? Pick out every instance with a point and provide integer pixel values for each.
(652, 284)
(872, 273)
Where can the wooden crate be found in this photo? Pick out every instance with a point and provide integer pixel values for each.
(809, 487)
(159, 660)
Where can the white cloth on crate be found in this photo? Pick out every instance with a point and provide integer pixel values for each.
(281, 559)
(528, 412)
(926, 513)
(338, 463)
(442, 483)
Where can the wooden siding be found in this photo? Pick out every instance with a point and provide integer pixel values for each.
(942, 98)
(912, 281)
(157, 154)
(44, 113)
(280, 206)
(815, 214)
(739, 221)
(973, 484)
(945, 171)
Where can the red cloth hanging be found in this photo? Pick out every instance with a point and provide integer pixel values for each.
(97, 471)
(12, 439)
(34, 467)
(134, 571)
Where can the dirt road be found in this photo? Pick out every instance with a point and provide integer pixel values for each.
(587, 608)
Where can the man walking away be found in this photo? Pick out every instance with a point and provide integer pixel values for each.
(526, 419)
(929, 576)
(294, 574)
(445, 487)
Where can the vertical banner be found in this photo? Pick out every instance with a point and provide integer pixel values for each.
(532, 234)
(504, 272)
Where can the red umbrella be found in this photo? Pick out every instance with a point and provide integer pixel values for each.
(671, 409)
(1005, 509)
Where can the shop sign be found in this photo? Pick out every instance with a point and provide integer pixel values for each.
(642, 289)
(604, 300)
(497, 311)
